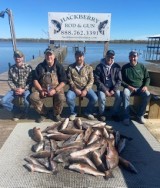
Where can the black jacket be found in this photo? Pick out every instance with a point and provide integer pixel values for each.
(100, 77)
(42, 68)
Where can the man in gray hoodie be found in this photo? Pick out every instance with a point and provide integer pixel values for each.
(108, 81)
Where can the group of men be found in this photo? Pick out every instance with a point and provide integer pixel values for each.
(49, 79)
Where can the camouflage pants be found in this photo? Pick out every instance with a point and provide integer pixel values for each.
(38, 103)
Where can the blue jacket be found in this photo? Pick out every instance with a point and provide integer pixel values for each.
(100, 76)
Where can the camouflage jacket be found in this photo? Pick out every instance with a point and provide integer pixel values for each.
(81, 80)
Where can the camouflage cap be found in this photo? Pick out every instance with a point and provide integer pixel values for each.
(18, 53)
(49, 50)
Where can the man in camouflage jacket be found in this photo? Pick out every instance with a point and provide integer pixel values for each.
(80, 79)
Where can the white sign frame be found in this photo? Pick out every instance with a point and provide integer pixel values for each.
(79, 26)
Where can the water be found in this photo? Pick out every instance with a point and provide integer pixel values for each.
(94, 52)
(28, 48)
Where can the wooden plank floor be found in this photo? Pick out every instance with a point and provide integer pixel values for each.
(6, 128)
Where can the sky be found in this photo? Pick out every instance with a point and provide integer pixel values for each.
(130, 19)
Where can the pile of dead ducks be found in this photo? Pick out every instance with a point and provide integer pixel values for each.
(90, 148)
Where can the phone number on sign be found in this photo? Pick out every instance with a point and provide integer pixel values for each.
(79, 32)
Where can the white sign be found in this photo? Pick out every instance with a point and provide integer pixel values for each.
(79, 26)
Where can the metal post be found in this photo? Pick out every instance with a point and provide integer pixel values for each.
(106, 44)
(11, 24)
(12, 31)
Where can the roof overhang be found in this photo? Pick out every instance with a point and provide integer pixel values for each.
(154, 36)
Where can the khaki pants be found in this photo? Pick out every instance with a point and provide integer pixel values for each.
(38, 104)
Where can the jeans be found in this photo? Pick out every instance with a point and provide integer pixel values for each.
(92, 99)
(7, 102)
(145, 96)
(102, 102)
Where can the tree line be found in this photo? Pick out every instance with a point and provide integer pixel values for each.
(46, 40)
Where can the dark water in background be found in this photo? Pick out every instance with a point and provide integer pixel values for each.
(94, 52)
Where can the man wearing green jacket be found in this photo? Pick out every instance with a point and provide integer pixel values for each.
(135, 82)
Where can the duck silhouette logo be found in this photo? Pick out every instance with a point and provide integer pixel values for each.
(102, 26)
(57, 26)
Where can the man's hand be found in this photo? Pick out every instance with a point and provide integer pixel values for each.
(145, 88)
(132, 89)
(84, 93)
(43, 93)
(107, 93)
(112, 92)
(51, 92)
(19, 91)
(78, 92)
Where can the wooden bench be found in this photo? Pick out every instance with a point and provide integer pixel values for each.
(154, 88)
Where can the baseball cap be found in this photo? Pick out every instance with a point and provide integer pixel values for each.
(133, 52)
(110, 52)
(79, 53)
(49, 50)
(18, 53)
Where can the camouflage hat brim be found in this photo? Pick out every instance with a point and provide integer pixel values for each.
(18, 53)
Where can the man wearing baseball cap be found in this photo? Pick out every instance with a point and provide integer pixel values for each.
(49, 50)
(108, 80)
(18, 53)
(110, 53)
(19, 80)
(49, 81)
(80, 79)
(135, 82)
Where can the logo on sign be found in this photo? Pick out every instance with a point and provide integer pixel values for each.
(101, 26)
(57, 26)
